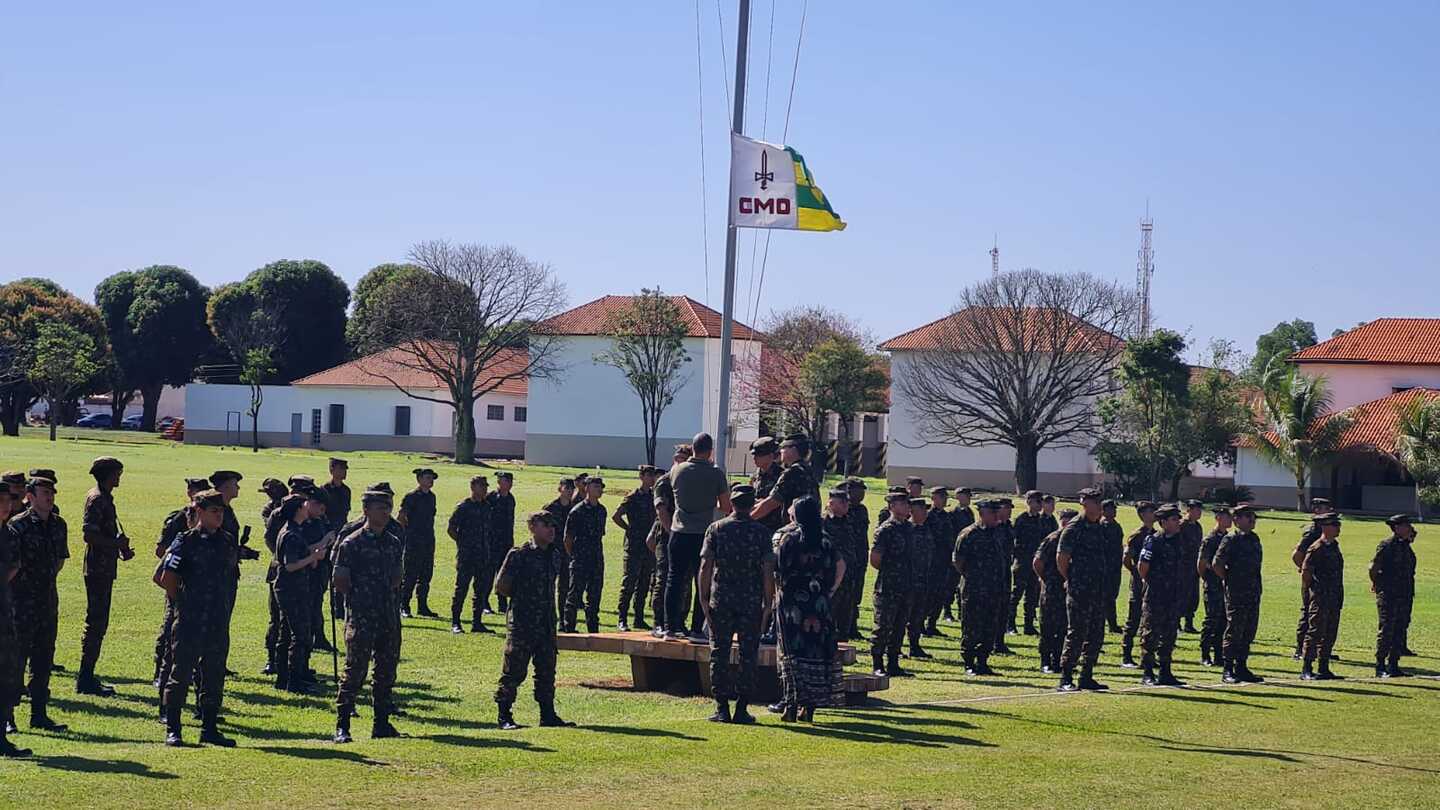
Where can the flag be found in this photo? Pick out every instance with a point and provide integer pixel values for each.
(770, 187)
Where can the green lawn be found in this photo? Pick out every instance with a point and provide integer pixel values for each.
(938, 739)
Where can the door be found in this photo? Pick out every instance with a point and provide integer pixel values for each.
(297, 428)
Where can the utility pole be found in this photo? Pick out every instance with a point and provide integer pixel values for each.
(737, 126)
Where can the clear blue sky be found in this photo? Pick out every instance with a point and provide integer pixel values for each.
(1289, 153)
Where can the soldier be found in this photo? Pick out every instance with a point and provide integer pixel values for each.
(1145, 510)
(922, 554)
(337, 494)
(105, 545)
(392, 545)
(502, 530)
(1212, 632)
(1311, 533)
(196, 575)
(1237, 562)
(960, 518)
(737, 586)
(585, 544)
(763, 451)
(227, 483)
(891, 555)
(1052, 597)
(1322, 574)
(1115, 561)
(10, 680)
(469, 527)
(39, 539)
(1080, 556)
(1029, 531)
(942, 535)
(417, 516)
(274, 491)
(914, 486)
(982, 559)
(337, 513)
(1007, 542)
(1192, 534)
(175, 523)
(296, 554)
(1162, 566)
(794, 481)
(635, 516)
(858, 516)
(664, 518)
(698, 486)
(1392, 580)
(837, 527)
(527, 580)
(559, 509)
(368, 573)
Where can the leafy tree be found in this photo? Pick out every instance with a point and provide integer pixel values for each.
(1151, 409)
(368, 290)
(1417, 444)
(647, 338)
(310, 300)
(62, 362)
(25, 306)
(156, 321)
(249, 325)
(1281, 342)
(776, 381)
(1297, 430)
(844, 379)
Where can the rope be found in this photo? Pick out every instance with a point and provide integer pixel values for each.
(704, 206)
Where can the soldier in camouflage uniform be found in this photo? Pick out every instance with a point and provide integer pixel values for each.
(1029, 531)
(1212, 632)
(858, 515)
(39, 538)
(502, 531)
(337, 497)
(369, 573)
(635, 516)
(1007, 542)
(105, 546)
(922, 555)
(839, 530)
(274, 491)
(960, 519)
(1162, 565)
(737, 584)
(1052, 597)
(1308, 536)
(10, 680)
(1323, 574)
(982, 558)
(1114, 562)
(1392, 579)
(297, 552)
(196, 575)
(585, 543)
(1192, 534)
(1237, 563)
(417, 515)
(1145, 510)
(175, 523)
(559, 509)
(763, 452)
(942, 535)
(527, 580)
(658, 541)
(891, 555)
(469, 527)
(1080, 556)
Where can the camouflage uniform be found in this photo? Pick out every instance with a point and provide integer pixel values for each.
(1029, 532)
(470, 525)
(1241, 554)
(11, 680)
(1392, 572)
(1052, 602)
(1134, 544)
(1084, 594)
(639, 561)
(922, 555)
(838, 531)
(1308, 537)
(559, 511)
(529, 625)
(418, 507)
(337, 514)
(982, 588)
(39, 547)
(1114, 567)
(1007, 546)
(101, 529)
(764, 482)
(1212, 632)
(1164, 595)
(960, 520)
(894, 539)
(941, 523)
(1326, 567)
(372, 563)
(740, 549)
(1192, 535)
(293, 593)
(661, 538)
(859, 519)
(200, 636)
(586, 525)
(174, 524)
(502, 539)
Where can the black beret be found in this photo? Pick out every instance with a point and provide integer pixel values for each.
(208, 499)
(336, 461)
(419, 471)
(39, 482)
(267, 486)
(892, 496)
(374, 495)
(1195, 502)
(1396, 520)
(382, 486)
(1221, 510)
(1328, 519)
(105, 464)
(919, 503)
(1169, 510)
(13, 478)
(989, 503)
(739, 490)
(1144, 506)
(300, 480)
(202, 483)
(797, 440)
(855, 481)
(45, 472)
(914, 479)
(764, 446)
(1243, 509)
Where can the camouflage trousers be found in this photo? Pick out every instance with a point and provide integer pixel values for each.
(297, 631)
(35, 631)
(10, 662)
(1052, 624)
(1112, 595)
(855, 579)
(1394, 612)
(1159, 622)
(842, 605)
(1212, 632)
(980, 613)
(364, 644)
(919, 608)
(639, 565)
(519, 656)
(997, 615)
(1084, 630)
(1132, 611)
(944, 594)
(562, 575)
(891, 613)
(1303, 625)
(729, 628)
(1322, 625)
(587, 582)
(200, 645)
(1026, 587)
(657, 584)
(1189, 596)
(419, 568)
(1242, 619)
(499, 549)
(469, 575)
(98, 590)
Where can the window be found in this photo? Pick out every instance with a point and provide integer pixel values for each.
(337, 419)
(495, 413)
(315, 427)
(402, 420)
(521, 412)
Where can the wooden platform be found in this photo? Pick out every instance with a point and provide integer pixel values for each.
(683, 668)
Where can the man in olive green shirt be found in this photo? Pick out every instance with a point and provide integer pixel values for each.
(700, 487)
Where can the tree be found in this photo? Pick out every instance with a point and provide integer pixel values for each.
(470, 321)
(367, 290)
(845, 380)
(1417, 445)
(647, 338)
(62, 363)
(249, 325)
(1296, 430)
(25, 306)
(156, 321)
(310, 301)
(1150, 410)
(1281, 342)
(1020, 361)
(775, 381)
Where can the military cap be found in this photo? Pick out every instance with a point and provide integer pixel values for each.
(582, 477)
(203, 483)
(1005, 501)
(855, 482)
(1314, 502)
(266, 487)
(300, 480)
(1034, 495)
(209, 499)
(45, 472)
(742, 492)
(964, 491)
(541, 516)
(897, 490)
(991, 504)
(939, 490)
(1195, 502)
(502, 475)
(479, 479)
(105, 464)
(1243, 509)
(797, 440)
(376, 495)
(1048, 498)
(1108, 503)
(382, 486)
(336, 461)
(1144, 506)
(39, 482)
(1397, 520)
(911, 480)
(1328, 519)
(764, 446)
(1067, 513)
(594, 479)
(221, 476)
(1222, 509)
(891, 495)
(1089, 494)
(649, 469)
(419, 471)
(1169, 510)
(919, 503)
(839, 492)
(567, 482)
(13, 478)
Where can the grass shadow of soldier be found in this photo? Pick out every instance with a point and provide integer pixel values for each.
(319, 754)
(877, 732)
(1191, 696)
(481, 742)
(635, 731)
(102, 708)
(116, 766)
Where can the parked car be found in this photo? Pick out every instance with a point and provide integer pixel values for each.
(163, 423)
(131, 422)
(94, 420)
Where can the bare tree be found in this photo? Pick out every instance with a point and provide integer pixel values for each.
(648, 347)
(469, 322)
(1020, 361)
(777, 381)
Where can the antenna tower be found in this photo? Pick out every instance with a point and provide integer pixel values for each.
(1144, 270)
(995, 256)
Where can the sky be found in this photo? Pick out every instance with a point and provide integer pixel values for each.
(1288, 151)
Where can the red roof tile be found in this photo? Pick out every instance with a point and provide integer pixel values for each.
(962, 328)
(378, 369)
(593, 318)
(1372, 424)
(1392, 341)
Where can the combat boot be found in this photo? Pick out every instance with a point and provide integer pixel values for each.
(1030, 629)
(478, 626)
(1228, 675)
(405, 611)
(1010, 628)
(879, 661)
(455, 627)
(1393, 670)
(742, 715)
(1307, 672)
(1380, 671)
(40, 719)
(210, 731)
(1325, 674)
(892, 668)
(172, 727)
(1067, 682)
(9, 749)
(1244, 674)
(342, 725)
(549, 719)
(321, 644)
(1190, 624)
(622, 625)
(1088, 682)
(1148, 677)
(1167, 678)
(641, 625)
(722, 712)
(423, 609)
(982, 666)
(1127, 659)
(9, 725)
(917, 653)
(380, 728)
(969, 664)
(87, 684)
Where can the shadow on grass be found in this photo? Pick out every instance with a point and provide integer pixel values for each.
(319, 754)
(635, 731)
(104, 709)
(854, 731)
(116, 766)
(482, 742)
(1232, 752)
(1193, 697)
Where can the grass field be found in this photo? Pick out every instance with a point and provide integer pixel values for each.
(939, 739)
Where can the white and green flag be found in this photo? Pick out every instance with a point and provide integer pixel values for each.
(770, 187)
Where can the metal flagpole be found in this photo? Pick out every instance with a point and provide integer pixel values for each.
(737, 126)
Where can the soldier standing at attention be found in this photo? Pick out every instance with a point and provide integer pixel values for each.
(175, 523)
(1237, 563)
(960, 519)
(737, 586)
(469, 527)
(1163, 566)
(1311, 533)
(368, 574)
(1392, 580)
(197, 574)
(1192, 534)
(982, 560)
(939, 566)
(1052, 597)
(295, 557)
(891, 555)
(417, 516)
(858, 515)
(559, 509)
(767, 474)
(39, 538)
(502, 529)
(1007, 542)
(585, 543)
(1212, 632)
(922, 554)
(337, 514)
(1029, 531)
(337, 494)
(635, 516)
(1322, 574)
(914, 487)
(836, 525)
(274, 491)
(1145, 510)
(105, 546)
(527, 580)
(699, 486)
(1114, 562)
(1080, 556)
(11, 683)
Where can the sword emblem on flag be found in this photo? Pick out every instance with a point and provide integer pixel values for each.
(765, 176)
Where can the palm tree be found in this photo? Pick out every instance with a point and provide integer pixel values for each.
(1296, 428)
(1417, 445)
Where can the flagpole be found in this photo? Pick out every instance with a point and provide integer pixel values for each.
(737, 126)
